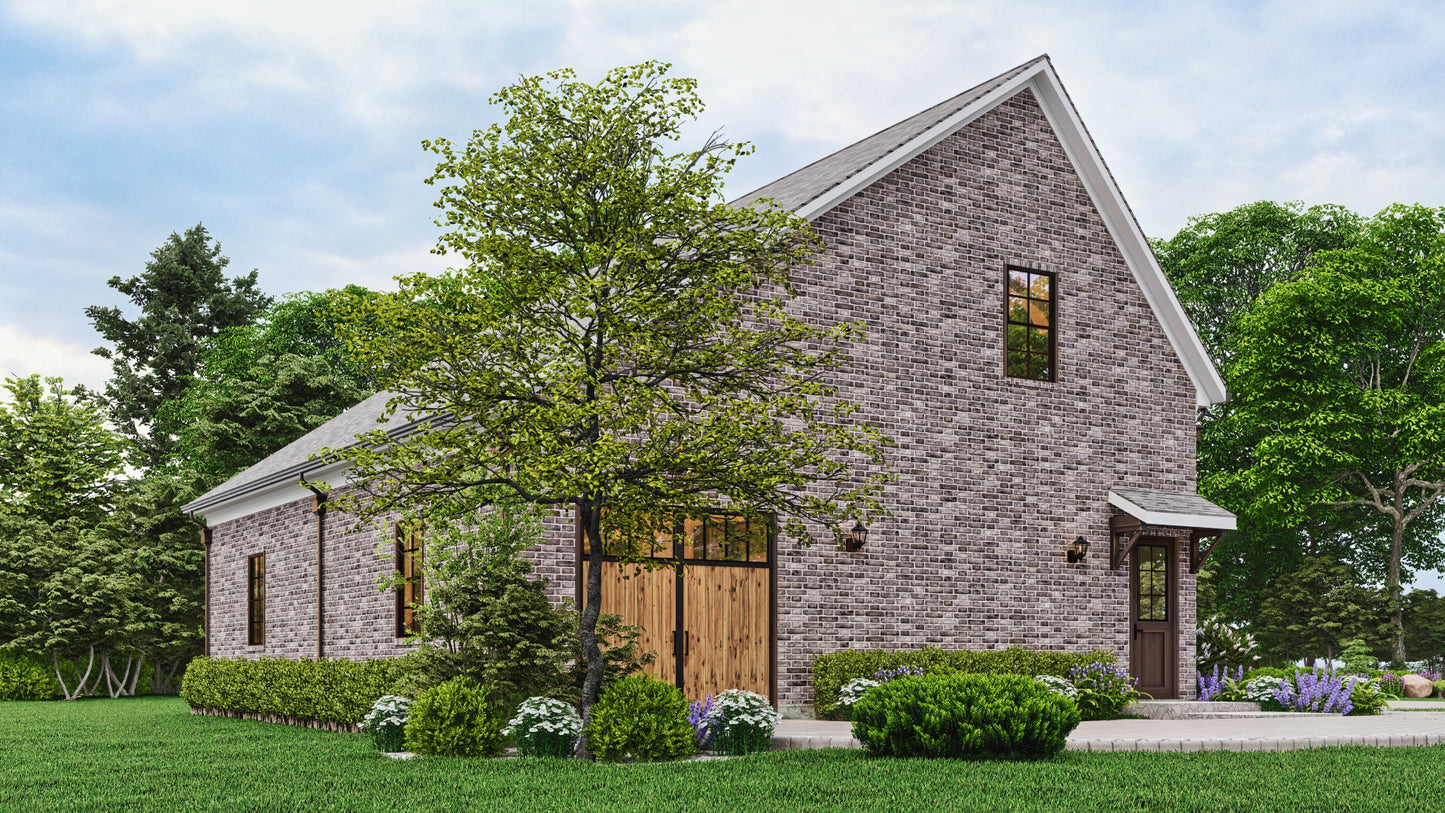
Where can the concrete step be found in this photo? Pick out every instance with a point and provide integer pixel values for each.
(1189, 709)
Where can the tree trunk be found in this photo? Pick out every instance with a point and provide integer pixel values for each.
(587, 623)
(1392, 579)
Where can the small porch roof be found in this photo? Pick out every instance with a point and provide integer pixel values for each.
(1171, 509)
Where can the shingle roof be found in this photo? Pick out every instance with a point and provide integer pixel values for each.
(797, 189)
(294, 459)
(1179, 509)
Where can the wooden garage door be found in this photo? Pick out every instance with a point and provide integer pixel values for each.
(707, 613)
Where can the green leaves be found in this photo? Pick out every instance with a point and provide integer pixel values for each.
(57, 458)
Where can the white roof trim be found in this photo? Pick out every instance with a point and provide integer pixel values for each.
(244, 505)
(1209, 387)
(1168, 520)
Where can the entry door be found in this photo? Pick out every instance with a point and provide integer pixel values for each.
(1154, 656)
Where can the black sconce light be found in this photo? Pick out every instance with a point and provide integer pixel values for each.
(856, 538)
(1078, 550)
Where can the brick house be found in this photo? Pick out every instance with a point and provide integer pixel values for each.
(1024, 350)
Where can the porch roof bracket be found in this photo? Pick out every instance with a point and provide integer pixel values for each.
(1130, 530)
(1196, 560)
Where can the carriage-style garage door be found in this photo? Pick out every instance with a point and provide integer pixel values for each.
(708, 613)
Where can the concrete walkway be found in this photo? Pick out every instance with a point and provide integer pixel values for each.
(1281, 733)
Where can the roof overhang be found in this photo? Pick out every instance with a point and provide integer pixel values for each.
(1188, 510)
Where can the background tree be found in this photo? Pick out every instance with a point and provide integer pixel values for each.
(184, 300)
(262, 385)
(1341, 374)
(1219, 264)
(1310, 612)
(57, 458)
(1424, 613)
(618, 339)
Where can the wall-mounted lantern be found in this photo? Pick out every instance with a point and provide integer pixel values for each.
(856, 538)
(1078, 550)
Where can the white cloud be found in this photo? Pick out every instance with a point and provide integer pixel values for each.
(23, 354)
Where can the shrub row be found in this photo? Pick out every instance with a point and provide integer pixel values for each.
(833, 669)
(329, 689)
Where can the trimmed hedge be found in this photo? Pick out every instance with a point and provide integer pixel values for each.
(831, 670)
(327, 690)
(964, 716)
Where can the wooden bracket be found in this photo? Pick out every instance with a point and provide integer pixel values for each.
(1129, 530)
(1197, 561)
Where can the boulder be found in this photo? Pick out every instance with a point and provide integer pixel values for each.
(1416, 686)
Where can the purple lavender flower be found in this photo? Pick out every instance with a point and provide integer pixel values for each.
(1430, 676)
(1211, 686)
(698, 715)
(1320, 691)
(885, 675)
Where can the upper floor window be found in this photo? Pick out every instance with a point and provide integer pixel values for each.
(256, 599)
(409, 593)
(1029, 346)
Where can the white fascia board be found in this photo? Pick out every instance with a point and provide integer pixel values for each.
(1167, 520)
(1209, 387)
(274, 496)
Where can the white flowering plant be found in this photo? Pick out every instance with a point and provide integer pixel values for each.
(386, 722)
(545, 727)
(853, 691)
(1058, 685)
(742, 722)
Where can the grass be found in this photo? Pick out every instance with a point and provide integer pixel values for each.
(150, 754)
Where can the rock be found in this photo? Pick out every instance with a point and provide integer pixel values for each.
(1416, 686)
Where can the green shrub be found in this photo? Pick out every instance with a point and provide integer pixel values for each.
(742, 722)
(545, 727)
(455, 719)
(641, 719)
(962, 715)
(831, 670)
(327, 689)
(24, 676)
(1367, 698)
(1440, 688)
(1103, 690)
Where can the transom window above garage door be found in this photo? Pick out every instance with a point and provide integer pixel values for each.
(712, 537)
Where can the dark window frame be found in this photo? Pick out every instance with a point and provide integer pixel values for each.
(1052, 358)
(760, 529)
(256, 599)
(411, 591)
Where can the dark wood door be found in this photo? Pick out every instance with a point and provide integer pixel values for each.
(1154, 656)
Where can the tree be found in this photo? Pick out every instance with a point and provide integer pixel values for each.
(1219, 265)
(1312, 611)
(1424, 613)
(1341, 374)
(57, 458)
(184, 300)
(619, 339)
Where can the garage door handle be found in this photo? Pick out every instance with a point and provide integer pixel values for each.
(686, 639)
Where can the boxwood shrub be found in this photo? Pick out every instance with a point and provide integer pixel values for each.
(329, 689)
(642, 719)
(455, 719)
(831, 670)
(964, 716)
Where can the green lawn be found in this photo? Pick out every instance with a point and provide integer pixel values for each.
(151, 754)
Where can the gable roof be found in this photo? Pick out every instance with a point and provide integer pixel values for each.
(817, 188)
(292, 462)
(811, 192)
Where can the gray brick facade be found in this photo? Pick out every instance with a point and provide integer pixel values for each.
(996, 475)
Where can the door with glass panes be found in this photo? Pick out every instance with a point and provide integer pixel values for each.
(705, 608)
(1154, 657)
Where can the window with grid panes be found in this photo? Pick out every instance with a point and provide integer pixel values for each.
(410, 593)
(1030, 340)
(256, 599)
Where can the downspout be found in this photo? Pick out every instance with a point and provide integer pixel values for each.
(206, 579)
(318, 507)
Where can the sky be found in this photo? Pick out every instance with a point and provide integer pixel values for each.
(293, 129)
